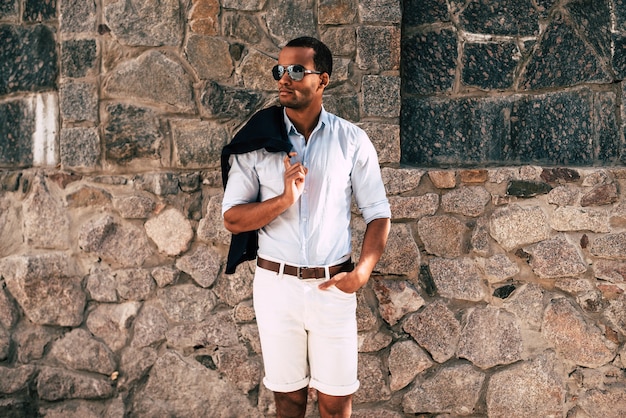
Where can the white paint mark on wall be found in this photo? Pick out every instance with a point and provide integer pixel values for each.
(46, 126)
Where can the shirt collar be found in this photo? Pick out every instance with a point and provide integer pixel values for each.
(291, 129)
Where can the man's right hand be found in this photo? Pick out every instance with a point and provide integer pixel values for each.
(294, 178)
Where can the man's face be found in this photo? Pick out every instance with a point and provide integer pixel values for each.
(303, 93)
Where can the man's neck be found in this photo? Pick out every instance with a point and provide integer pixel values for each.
(305, 120)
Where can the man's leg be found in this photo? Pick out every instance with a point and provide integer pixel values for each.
(291, 404)
(334, 406)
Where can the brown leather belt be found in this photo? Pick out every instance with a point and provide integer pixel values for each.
(305, 272)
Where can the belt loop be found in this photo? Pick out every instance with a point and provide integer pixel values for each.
(327, 272)
(281, 270)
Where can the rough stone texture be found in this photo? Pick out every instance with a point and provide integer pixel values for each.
(490, 337)
(46, 224)
(531, 388)
(516, 226)
(396, 299)
(457, 278)
(443, 235)
(171, 231)
(406, 361)
(78, 350)
(556, 257)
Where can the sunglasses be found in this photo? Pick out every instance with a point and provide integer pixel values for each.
(296, 72)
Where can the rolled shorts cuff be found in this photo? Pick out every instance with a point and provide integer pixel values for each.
(291, 387)
(334, 390)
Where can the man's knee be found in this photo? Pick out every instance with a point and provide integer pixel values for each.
(291, 404)
(334, 406)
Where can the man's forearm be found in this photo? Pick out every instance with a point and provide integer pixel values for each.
(254, 215)
(374, 243)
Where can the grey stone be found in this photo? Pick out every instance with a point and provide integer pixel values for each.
(171, 231)
(5, 343)
(198, 143)
(134, 284)
(186, 302)
(165, 275)
(77, 17)
(366, 317)
(209, 57)
(15, 379)
(31, 341)
(378, 48)
(78, 350)
(119, 243)
(468, 201)
(436, 329)
(602, 194)
(79, 101)
(228, 102)
(406, 361)
(216, 331)
(499, 268)
(202, 264)
(372, 377)
(160, 184)
(153, 77)
(615, 314)
(54, 384)
(515, 226)
(573, 337)
(606, 403)
(28, 59)
(255, 71)
(490, 66)
(46, 287)
(453, 390)
(235, 288)
(211, 227)
(243, 371)
(414, 207)
(112, 322)
(149, 327)
(531, 388)
(491, 337)
(480, 241)
(102, 285)
(130, 133)
(457, 278)
(443, 235)
(400, 180)
(80, 147)
(612, 246)
(9, 10)
(383, 11)
(244, 5)
(381, 96)
(563, 195)
(386, 140)
(135, 364)
(8, 311)
(569, 218)
(341, 40)
(177, 386)
(287, 20)
(374, 341)
(509, 18)
(143, 23)
(79, 57)
(135, 206)
(396, 299)
(556, 257)
(610, 270)
(46, 223)
(526, 303)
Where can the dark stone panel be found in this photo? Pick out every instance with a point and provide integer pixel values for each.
(554, 128)
(619, 56)
(593, 19)
(420, 12)
(38, 10)
(619, 10)
(606, 126)
(229, 102)
(28, 59)
(429, 62)
(17, 125)
(132, 132)
(544, 7)
(562, 59)
(504, 17)
(78, 57)
(489, 66)
(8, 9)
(450, 133)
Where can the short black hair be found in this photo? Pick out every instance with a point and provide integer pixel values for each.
(322, 59)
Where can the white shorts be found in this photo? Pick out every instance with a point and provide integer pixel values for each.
(308, 336)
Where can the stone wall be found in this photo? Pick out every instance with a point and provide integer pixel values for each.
(501, 292)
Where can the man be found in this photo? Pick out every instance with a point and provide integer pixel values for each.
(298, 197)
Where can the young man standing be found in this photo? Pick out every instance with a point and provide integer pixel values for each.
(291, 175)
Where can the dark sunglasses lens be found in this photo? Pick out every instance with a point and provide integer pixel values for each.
(277, 72)
(296, 72)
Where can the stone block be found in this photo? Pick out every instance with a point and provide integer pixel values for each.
(381, 11)
(210, 57)
(224, 101)
(28, 59)
(17, 125)
(593, 21)
(146, 23)
(80, 147)
(78, 57)
(378, 48)
(78, 16)
(381, 96)
(287, 19)
(490, 66)
(79, 101)
(242, 26)
(415, 13)
(204, 17)
(9, 10)
(507, 17)
(553, 64)
(198, 143)
(386, 140)
(445, 132)
(340, 40)
(38, 11)
(243, 5)
(336, 12)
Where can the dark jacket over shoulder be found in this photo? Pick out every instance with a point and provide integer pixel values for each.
(266, 129)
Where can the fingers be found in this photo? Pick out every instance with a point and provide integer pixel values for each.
(332, 281)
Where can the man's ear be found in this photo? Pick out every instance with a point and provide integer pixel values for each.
(324, 80)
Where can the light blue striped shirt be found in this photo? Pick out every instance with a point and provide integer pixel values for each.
(315, 231)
